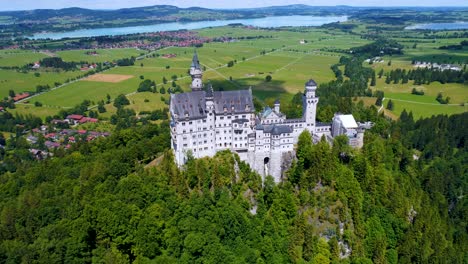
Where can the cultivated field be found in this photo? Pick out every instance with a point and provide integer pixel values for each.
(98, 55)
(18, 58)
(277, 53)
(108, 78)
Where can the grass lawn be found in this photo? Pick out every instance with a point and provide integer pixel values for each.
(29, 109)
(422, 110)
(101, 56)
(21, 82)
(11, 58)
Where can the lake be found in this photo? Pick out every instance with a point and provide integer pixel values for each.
(440, 26)
(273, 21)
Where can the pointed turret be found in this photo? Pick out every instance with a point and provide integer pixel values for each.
(195, 61)
(196, 73)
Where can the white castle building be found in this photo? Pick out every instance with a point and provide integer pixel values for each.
(204, 121)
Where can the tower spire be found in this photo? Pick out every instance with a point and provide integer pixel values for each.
(195, 61)
(196, 73)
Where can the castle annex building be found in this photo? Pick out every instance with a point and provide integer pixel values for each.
(204, 121)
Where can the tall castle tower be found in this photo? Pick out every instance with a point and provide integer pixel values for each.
(310, 101)
(196, 73)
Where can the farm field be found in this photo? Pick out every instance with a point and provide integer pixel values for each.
(18, 58)
(21, 82)
(102, 55)
(30, 109)
(277, 53)
(424, 110)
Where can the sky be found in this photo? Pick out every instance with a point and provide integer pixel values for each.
(115, 4)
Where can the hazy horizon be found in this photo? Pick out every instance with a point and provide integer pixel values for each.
(117, 4)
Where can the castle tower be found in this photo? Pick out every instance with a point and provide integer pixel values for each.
(310, 101)
(277, 106)
(196, 73)
(210, 119)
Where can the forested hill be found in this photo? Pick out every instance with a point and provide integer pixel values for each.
(401, 199)
(20, 23)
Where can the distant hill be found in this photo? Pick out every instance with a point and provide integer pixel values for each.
(18, 23)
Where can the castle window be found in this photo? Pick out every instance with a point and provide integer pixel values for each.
(190, 122)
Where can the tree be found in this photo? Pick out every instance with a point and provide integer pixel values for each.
(390, 105)
(164, 80)
(37, 104)
(108, 97)
(121, 100)
(373, 81)
(162, 90)
(11, 93)
(381, 72)
(268, 78)
(101, 108)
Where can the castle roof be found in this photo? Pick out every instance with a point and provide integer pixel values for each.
(310, 83)
(188, 105)
(275, 129)
(239, 101)
(195, 61)
(347, 121)
(192, 105)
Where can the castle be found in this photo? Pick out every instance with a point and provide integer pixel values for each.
(204, 122)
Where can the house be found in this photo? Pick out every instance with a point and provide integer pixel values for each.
(2, 109)
(88, 119)
(50, 144)
(36, 65)
(32, 139)
(73, 119)
(19, 97)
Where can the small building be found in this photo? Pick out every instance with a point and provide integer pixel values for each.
(21, 96)
(346, 125)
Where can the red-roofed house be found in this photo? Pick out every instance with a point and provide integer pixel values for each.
(87, 119)
(73, 119)
(82, 132)
(1, 109)
(20, 97)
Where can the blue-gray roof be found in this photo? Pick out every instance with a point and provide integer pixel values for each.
(236, 102)
(311, 83)
(195, 61)
(193, 103)
(275, 129)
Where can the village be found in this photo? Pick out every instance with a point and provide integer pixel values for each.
(60, 133)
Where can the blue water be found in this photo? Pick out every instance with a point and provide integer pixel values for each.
(274, 21)
(440, 26)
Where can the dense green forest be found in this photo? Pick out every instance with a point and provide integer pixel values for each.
(401, 199)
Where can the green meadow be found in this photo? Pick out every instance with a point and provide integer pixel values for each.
(277, 53)
(18, 58)
(425, 110)
(102, 55)
(22, 82)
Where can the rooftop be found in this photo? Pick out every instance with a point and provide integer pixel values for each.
(310, 83)
(347, 121)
